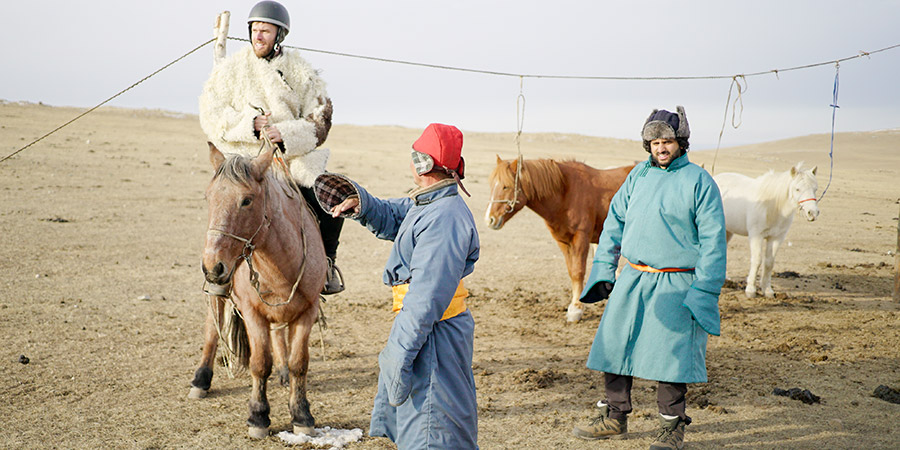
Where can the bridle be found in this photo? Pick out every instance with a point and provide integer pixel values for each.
(246, 252)
(511, 203)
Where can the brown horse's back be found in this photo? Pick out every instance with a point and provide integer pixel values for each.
(590, 191)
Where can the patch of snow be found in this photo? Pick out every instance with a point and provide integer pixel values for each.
(335, 439)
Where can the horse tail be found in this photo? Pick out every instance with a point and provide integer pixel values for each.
(236, 358)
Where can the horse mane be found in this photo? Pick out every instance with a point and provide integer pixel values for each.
(237, 169)
(774, 190)
(539, 178)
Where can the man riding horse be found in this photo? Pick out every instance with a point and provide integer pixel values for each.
(267, 91)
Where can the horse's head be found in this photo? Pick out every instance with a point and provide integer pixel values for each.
(237, 198)
(507, 195)
(803, 191)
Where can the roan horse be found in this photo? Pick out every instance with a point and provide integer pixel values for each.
(572, 198)
(264, 250)
(763, 209)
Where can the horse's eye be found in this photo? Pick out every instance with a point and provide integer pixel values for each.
(246, 201)
(505, 188)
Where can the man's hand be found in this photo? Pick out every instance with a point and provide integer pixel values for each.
(273, 133)
(599, 291)
(261, 121)
(261, 125)
(346, 205)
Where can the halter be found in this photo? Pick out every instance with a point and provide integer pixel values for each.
(246, 252)
(511, 204)
(800, 202)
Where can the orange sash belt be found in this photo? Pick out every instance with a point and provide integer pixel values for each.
(644, 268)
(457, 304)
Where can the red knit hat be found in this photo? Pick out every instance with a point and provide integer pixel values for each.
(443, 143)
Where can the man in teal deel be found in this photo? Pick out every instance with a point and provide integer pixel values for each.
(667, 221)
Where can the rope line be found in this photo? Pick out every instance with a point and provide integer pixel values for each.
(461, 69)
(834, 108)
(578, 77)
(107, 100)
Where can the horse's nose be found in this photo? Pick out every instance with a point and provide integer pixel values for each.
(217, 275)
(811, 215)
(494, 223)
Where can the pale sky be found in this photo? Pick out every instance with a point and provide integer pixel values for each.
(65, 53)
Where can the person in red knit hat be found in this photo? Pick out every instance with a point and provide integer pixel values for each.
(426, 389)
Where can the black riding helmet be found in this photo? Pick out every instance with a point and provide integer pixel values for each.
(274, 13)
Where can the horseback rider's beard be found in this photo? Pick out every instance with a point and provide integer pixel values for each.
(262, 49)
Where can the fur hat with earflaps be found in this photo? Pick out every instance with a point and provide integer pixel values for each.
(663, 124)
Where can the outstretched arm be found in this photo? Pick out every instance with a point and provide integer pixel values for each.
(342, 197)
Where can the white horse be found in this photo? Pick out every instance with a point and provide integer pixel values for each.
(763, 209)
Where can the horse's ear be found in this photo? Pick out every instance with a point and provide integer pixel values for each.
(261, 164)
(498, 159)
(814, 169)
(793, 170)
(215, 156)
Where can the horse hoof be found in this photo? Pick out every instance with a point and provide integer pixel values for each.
(574, 314)
(197, 393)
(770, 294)
(750, 294)
(309, 431)
(258, 432)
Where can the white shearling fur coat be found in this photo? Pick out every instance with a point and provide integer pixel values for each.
(288, 87)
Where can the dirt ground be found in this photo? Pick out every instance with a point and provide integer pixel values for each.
(103, 225)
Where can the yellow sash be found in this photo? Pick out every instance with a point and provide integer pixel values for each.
(457, 304)
(649, 269)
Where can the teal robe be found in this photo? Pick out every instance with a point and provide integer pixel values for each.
(655, 325)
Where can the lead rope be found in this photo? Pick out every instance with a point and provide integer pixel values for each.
(741, 89)
(229, 361)
(834, 108)
(520, 122)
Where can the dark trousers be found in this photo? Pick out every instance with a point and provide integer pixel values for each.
(330, 226)
(669, 397)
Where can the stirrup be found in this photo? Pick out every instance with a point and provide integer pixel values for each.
(334, 283)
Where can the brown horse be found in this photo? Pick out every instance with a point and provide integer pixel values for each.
(264, 250)
(570, 196)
